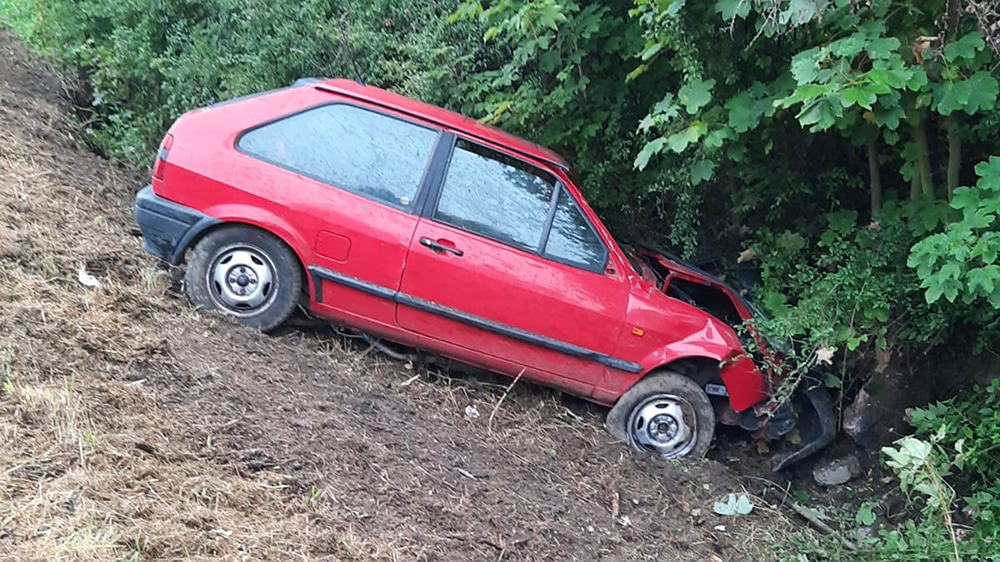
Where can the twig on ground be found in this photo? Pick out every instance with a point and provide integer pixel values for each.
(809, 516)
(496, 406)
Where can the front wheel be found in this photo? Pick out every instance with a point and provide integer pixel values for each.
(247, 273)
(665, 413)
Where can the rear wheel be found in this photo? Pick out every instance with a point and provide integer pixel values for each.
(244, 272)
(665, 413)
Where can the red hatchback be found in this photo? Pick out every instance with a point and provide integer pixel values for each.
(429, 229)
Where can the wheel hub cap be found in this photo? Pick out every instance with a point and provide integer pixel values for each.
(242, 280)
(664, 424)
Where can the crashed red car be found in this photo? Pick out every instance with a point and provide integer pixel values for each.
(413, 224)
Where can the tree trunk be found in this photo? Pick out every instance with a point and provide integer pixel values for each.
(874, 177)
(954, 152)
(954, 17)
(923, 156)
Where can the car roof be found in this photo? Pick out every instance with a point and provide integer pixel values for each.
(442, 117)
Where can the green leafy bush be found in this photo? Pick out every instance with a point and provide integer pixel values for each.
(961, 263)
(953, 466)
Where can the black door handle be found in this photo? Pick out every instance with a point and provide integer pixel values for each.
(440, 247)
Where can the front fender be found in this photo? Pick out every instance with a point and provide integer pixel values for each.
(744, 382)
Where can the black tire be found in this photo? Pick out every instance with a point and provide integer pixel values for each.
(626, 422)
(250, 260)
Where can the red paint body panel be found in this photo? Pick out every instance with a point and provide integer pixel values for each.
(518, 289)
(371, 245)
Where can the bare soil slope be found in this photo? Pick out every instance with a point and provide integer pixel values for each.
(134, 428)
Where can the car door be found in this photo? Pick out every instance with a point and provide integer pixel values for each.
(360, 173)
(505, 263)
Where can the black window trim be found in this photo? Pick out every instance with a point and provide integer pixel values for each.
(427, 178)
(430, 206)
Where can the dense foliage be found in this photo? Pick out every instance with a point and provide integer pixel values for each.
(847, 150)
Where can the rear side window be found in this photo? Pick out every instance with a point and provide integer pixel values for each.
(488, 193)
(358, 150)
(572, 240)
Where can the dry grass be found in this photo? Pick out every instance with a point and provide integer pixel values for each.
(91, 468)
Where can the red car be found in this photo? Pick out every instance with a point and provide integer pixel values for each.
(414, 224)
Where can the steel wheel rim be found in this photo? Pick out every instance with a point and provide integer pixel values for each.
(665, 424)
(241, 280)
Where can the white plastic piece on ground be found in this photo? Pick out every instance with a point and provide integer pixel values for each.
(471, 412)
(88, 280)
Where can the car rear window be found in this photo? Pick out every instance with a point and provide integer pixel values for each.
(496, 196)
(361, 151)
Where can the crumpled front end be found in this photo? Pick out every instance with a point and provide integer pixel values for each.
(748, 385)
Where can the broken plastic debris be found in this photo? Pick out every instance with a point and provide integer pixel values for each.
(825, 355)
(471, 412)
(88, 280)
(734, 505)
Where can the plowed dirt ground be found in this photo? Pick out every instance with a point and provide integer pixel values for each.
(135, 428)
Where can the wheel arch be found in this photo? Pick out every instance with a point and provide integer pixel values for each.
(283, 237)
(745, 384)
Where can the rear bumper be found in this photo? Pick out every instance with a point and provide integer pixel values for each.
(167, 227)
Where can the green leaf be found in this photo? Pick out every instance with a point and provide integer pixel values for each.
(842, 221)
(733, 8)
(801, 12)
(775, 303)
(984, 91)
(989, 174)
(647, 152)
(696, 95)
(742, 114)
(702, 171)
(934, 293)
(636, 72)
(716, 138)
(865, 515)
(889, 117)
(678, 142)
(950, 270)
(978, 93)
(855, 95)
(979, 281)
(951, 96)
(736, 152)
(950, 288)
(805, 66)
(964, 48)
(918, 80)
(849, 46)
(883, 47)
(820, 114)
(651, 50)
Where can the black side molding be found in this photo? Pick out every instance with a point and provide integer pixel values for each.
(320, 274)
